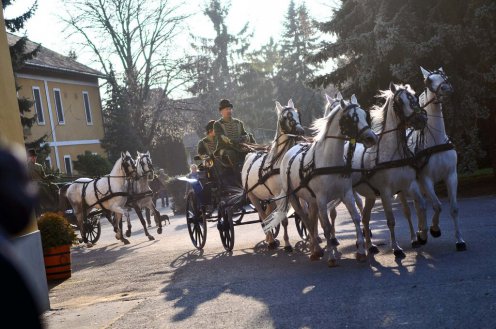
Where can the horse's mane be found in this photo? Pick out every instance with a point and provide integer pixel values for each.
(378, 112)
(320, 125)
(116, 166)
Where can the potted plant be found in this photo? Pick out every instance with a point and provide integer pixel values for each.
(57, 237)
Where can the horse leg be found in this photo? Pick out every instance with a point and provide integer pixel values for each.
(420, 207)
(349, 202)
(119, 212)
(367, 210)
(138, 211)
(391, 223)
(321, 206)
(311, 222)
(333, 214)
(408, 215)
(148, 217)
(128, 220)
(451, 185)
(156, 216)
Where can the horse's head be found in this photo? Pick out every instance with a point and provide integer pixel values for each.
(145, 166)
(437, 82)
(407, 107)
(355, 122)
(128, 165)
(289, 119)
(332, 103)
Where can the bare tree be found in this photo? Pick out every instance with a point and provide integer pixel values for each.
(133, 42)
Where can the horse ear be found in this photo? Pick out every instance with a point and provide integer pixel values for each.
(441, 69)
(290, 104)
(425, 72)
(278, 107)
(339, 96)
(392, 87)
(329, 99)
(137, 153)
(354, 99)
(148, 153)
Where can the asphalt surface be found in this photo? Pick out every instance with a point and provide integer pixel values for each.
(166, 283)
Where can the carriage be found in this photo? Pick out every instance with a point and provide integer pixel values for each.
(211, 198)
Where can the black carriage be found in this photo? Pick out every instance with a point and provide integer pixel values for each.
(216, 196)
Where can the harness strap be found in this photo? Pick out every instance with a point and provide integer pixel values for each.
(422, 157)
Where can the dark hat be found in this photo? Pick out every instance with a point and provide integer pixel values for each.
(209, 126)
(32, 152)
(225, 103)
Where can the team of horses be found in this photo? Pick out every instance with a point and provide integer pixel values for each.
(399, 148)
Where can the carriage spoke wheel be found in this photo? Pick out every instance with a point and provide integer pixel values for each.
(92, 228)
(226, 229)
(300, 227)
(196, 221)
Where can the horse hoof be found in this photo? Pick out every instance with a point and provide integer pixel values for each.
(435, 234)
(373, 250)
(461, 246)
(159, 230)
(361, 257)
(314, 257)
(89, 245)
(288, 249)
(80, 240)
(128, 233)
(273, 245)
(416, 244)
(420, 240)
(334, 242)
(332, 263)
(126, 241)
(398, 253)
(319, 240)
(151, 238)
(321, 253)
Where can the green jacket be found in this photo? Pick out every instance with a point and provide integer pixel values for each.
(205, 147)
(228, 135)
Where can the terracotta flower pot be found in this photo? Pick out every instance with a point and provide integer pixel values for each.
(57, 262)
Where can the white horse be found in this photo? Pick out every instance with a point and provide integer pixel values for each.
(435, 154)
(317, 173)
(108, 193)
(388, 167)
(260, 172)
(141, 195)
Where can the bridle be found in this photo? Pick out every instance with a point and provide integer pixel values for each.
(145, 162)
(349, 122)
(418, 118)
(287, 116)
(428, 83)
(126, 163)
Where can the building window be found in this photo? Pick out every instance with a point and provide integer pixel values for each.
(38, 107)
(68, 165)
(87, 109)
(58, 106)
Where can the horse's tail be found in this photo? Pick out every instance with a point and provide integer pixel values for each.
(63, 200)
(279, 214)
(235, 195)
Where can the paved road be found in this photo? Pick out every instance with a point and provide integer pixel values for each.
(166, 283)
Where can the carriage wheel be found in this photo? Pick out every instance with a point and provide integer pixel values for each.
(300, 227)
(92, 228)
(196, 221)
(226, 229)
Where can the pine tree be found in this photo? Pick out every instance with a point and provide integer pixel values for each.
(19, 56)
(382, 41)
(298, 42)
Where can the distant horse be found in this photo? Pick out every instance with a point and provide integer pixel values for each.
(435, 154)
(260, 172)
(108, 193)
(388, 167)
(318, 173)
(141, 195)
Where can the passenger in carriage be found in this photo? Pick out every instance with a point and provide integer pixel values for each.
(230, 133)
(206, 145)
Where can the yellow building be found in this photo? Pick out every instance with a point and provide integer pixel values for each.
(67, 105)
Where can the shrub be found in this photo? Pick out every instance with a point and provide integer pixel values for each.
(55, 230)
(92, 165)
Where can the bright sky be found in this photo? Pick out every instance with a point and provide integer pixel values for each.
(265, 18)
